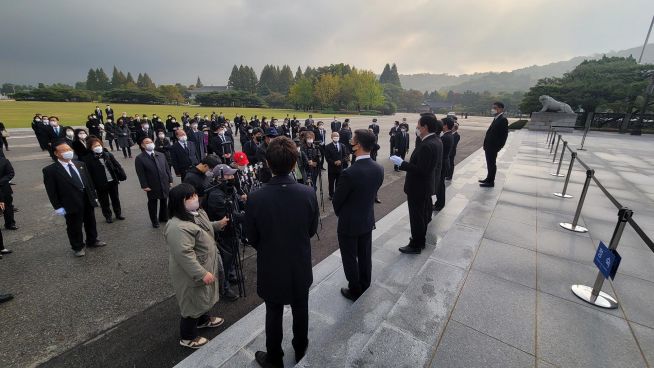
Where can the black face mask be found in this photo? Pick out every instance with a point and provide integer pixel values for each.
(258, 139)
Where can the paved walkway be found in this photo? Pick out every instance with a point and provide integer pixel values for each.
(495, 290)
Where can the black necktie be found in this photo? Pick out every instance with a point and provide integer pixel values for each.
(76, 179)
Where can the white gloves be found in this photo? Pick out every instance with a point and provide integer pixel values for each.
(60, 211)
(397, 160)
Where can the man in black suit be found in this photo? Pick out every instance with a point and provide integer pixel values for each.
(447, 141)
(183, 155)
(455, 142)
(336, 126)
(196, 136)
(354, 202)
(420, 179)
(155, 179)
(56, 134)
(109, 112)
(495, 139)
(73, 196)
(375, 128)
(400, 143)
(145, 131)
(98, 113)
(222, 145)
(284, 272)
(336, 156)
(394, 130)
(6, 193)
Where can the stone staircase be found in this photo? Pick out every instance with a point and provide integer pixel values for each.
(400, 319)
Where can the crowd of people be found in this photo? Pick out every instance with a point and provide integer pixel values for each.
(231, 198)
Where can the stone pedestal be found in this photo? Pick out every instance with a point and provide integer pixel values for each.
(564, 122)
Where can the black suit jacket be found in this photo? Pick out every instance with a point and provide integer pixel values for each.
(336, 126)
(141, 135)
(154, 174)
(400, 143)
(62, 192)
(448, 143)
(354, 198)
(496, 134)
(182, 159)
(375, 128)
(53, 137)
(422, 167)
(97, 170)
(283, 243)
(220, 147)
(6, 174)
(455, 142)
(332, 154)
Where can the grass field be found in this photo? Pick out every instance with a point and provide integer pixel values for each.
(19, 114)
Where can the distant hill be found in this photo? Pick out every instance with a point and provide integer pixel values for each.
(518, 80)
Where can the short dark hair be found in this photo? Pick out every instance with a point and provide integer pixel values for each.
(449, 122)
(428, 119)
(211, 161)
(365, 138)
(176, 198)
(498, 104)
(281, 155)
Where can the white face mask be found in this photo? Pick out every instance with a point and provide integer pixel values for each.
(149, 147)
(192, 204)
(82, 136)
(54, 123)
(70, 135)
(336, 139)
(493, 111)
(182, 138)
(37, 119)
(97, 149)
(161, 136)
(145, 126)
(68, 155)
(209, 173)
(417, 132)
(310, 142)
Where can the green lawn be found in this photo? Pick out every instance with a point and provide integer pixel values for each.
(19, 114)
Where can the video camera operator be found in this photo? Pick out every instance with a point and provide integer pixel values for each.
(313, 155)
(222, 200)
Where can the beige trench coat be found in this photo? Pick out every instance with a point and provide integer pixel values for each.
(192, 253)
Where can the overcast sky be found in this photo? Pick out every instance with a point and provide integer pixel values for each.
(175, 41)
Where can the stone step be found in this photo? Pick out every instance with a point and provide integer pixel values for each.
(401, 315)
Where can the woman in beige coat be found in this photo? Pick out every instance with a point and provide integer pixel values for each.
(193, 263)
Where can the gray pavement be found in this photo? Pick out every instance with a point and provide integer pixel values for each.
(63, 303)
(493, 288)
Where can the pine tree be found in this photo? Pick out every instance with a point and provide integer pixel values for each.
(91, 80)
(149, 84)
(198, 83)
(118, 79)
(130, 79)
(233, 82)
(102, 80)
(139, 81)
(285, 80)
(394, 76)
(385, 75)
(298, 74)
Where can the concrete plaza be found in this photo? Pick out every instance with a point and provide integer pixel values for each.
(493, 288)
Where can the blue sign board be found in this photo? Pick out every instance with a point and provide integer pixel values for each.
(607, 260)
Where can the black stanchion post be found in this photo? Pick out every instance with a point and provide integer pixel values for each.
(573, 226)
(558, 169)
(589, 121)
(556, 150)
(567, 178)
(549, 132)
(595, 295)
(557, 143)
(551, 142)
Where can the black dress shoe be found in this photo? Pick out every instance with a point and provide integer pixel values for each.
(483, 180)
(12, 227)
(155, 225)
(119, 217)
(262, 358)
(229, 296)
(299, 355)
(437, 209)
(377, 200)
(349, 294)
(109, 220)
(410, 250)
(5, 297)
(487, 185)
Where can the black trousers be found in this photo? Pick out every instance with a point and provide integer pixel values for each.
(451, 172)
(332, 180)
(274, 328)
(4, 141)
(152, 209)
(104, 194)
(491, 158)
(8, 212)
(356, 253)
(188, 326)
(82, 219)
(127, 151)
(420, 209)
(440, 185)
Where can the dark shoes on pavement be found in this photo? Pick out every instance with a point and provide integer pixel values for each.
(11, 227)
(377, 201)
(262, 358)
(483, 180)
(349, 294)
(487, 185)
(97, 244)
(120, 217)
(5, 297)
(410, 250)
(229, 295)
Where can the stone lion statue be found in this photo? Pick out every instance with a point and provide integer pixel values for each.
(552, 105)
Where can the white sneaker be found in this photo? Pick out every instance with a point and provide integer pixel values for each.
(80, 253)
